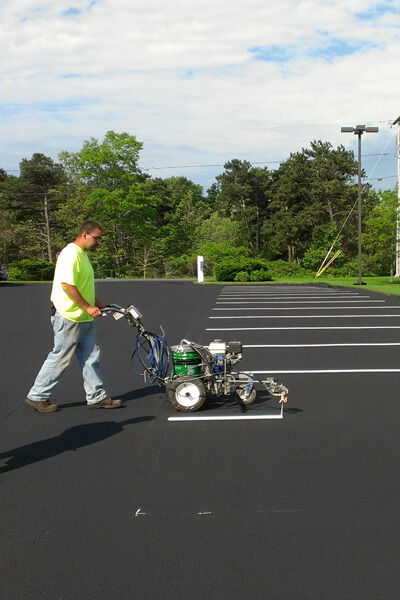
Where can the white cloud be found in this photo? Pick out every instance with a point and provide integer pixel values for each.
(199, 80)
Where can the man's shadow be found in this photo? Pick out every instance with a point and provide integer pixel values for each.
(71, 439)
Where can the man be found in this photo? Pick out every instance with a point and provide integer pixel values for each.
(76, 306)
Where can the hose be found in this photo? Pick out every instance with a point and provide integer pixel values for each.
(151, 351)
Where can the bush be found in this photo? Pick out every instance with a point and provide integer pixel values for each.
(260, 275)
(228, 270)
(242, 276)
(31, 270)
(281, 268)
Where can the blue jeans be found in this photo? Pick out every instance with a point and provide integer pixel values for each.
(70, 338)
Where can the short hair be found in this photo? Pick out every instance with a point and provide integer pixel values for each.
(89, 227)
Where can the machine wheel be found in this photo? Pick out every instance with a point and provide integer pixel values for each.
(240, 394)
(186, 394)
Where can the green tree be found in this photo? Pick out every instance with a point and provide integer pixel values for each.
(379, 233)
(40, 176)
(30, 202)
(106, 184)
(217, 239)
(180, 211)
(243, 194)
(312, 189)
(111, 164)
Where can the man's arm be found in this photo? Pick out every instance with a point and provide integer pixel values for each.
(74, 294)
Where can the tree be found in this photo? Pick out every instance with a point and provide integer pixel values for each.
(111, 164)
(312, 189)
(39, 178)
(30, 201)
(379, 233)
(181, 209)
(243, 194)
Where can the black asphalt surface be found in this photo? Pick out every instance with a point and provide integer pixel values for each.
(125, 504)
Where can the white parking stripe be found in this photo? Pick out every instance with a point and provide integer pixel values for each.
(301, 328)
(338, 345)
(228, 417)
(301, 301)
(323, 371)
(308, 308)
(308, 317)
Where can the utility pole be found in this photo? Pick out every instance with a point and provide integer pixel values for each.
(359, 130)
(397, 273)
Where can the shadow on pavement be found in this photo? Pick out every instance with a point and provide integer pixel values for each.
(148, 390)
(127, 397)
(71, 439)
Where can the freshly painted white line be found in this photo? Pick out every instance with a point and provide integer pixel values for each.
(300, 301)
(288, 297)
(300, 328)
(325, 371)
(228, 418)
(308, 308)
(320, 345)
(296, 295)
(308, 316)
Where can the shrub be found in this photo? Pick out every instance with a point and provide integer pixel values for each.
(281, 268)
(242, 276)
(31, 270)
(260, 275)
(228, 270)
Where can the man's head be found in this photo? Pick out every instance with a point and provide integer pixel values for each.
(89, 235)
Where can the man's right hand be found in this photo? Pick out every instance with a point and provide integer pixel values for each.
(93, 311)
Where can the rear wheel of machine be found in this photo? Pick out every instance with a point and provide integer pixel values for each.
(187, 394)
(240, 395)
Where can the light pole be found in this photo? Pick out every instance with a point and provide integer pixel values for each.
(397, 274)
(359, 130)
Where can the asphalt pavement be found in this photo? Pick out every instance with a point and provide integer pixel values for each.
(129, 504)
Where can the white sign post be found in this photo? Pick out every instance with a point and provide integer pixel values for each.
(200, 272)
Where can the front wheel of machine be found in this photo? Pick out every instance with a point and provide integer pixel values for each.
(240, 395)
(186, 394)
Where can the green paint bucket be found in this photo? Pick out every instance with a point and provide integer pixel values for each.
(186, 360)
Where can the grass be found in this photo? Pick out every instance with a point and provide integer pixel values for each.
(382, 285)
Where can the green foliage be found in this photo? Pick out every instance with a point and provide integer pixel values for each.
(324, 237)
(379, 234)
(229, 269)
(110, 164)
(31, 270)
(282, 268)
(260, 275)
(285, 219)
(242, 194)
(242, 276)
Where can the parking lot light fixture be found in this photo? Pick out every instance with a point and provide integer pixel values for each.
(359, 130)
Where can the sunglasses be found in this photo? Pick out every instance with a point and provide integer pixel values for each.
(95, 237)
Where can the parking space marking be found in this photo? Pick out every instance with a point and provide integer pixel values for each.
(340, 345)
(308, 316)
(302, 328)
(323, 371)
(306, 308)
(228, 417)
(299, 301)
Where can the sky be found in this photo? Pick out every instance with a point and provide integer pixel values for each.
(200, 82)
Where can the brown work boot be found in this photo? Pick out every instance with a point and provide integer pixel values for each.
(107, 402)
(43, 406)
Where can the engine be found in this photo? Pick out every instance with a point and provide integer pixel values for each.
(224, 355)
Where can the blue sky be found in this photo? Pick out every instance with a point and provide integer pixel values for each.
(200, 82)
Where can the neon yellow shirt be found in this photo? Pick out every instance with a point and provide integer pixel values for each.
(73, 267)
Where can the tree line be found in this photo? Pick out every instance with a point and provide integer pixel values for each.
(156, 227)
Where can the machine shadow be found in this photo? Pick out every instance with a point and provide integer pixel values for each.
(143, 392)
(71, 439)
